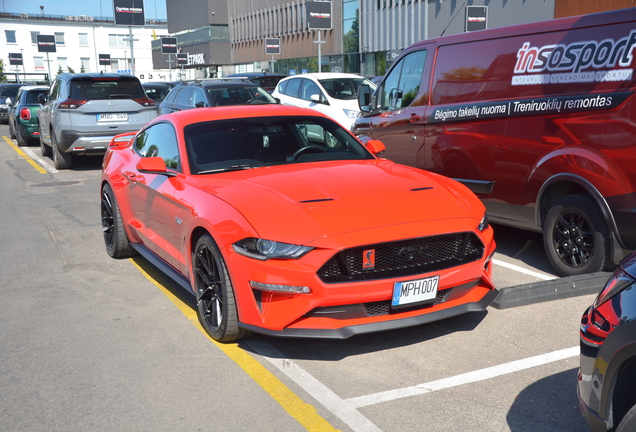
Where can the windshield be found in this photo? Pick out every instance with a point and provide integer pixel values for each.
(239, 96)
(229, 145)
(345, 88)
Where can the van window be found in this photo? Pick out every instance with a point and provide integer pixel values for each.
(402, 84)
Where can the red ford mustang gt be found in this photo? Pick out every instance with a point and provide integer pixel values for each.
(281, 222)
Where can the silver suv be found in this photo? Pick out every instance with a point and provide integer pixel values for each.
(85, 110)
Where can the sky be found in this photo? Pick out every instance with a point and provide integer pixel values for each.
(153, 9)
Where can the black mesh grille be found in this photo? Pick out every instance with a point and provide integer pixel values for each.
(403, 258)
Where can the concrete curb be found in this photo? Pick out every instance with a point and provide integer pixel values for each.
(557, 289)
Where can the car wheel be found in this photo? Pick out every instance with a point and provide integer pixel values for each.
(46, 150)
(117, 244)
(11, 131)
(20, 139)
(628, 422)
(215, 296)
(576, 237)
(60, 160)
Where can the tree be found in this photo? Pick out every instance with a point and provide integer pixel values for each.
(2, 77)
(70, 69)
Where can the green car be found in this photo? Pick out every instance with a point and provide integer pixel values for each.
(23, 118)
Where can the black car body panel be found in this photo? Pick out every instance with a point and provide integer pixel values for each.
(607, 375)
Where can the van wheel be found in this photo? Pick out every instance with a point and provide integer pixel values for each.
(576, 237)
(60, 160)
(628, 423)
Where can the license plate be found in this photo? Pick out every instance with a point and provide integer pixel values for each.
(112, 117)
(415, 291)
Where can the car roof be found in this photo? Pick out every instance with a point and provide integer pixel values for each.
(199, 115)
(326, 75)
(96, 75)
(220, 82)
(255, 75)
(34, 87)
(12, 85)
(155, 84)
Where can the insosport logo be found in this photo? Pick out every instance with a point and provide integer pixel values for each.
(576, 56)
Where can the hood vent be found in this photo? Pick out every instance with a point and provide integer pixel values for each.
(316, 200)
(421, 189)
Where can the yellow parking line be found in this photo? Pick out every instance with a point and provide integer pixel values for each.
(303, 412)
(19, 151)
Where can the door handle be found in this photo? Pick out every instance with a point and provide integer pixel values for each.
(414, 118)
(136, 178)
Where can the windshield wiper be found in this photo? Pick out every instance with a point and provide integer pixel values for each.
(230, 168)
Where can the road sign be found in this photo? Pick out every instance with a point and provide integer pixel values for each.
(169, 45)
(476, 18)
(272, 46)
(319, 15)
(46, 43)
(129, 12)
(104, 59)
(15, 59)
(182, 59)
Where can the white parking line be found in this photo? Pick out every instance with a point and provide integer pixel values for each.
(39, 160)
(514, 267)
(466, 378)
(346, 409)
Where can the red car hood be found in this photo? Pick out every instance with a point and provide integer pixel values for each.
(301, 203)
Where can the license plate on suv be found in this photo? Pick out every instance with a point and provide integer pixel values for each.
(415, 291)
(108, 117)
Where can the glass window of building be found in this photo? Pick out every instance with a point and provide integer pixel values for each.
(34, 38)
(62, 64)
(86, 63)
(59, 38)
(83, 39)
(10, 36)
(38, 62)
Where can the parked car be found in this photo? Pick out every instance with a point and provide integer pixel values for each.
(213, 92)
(23, 114)
(333, 94)
(157, 91)
(85, 110)
(279, 231)
(607, 377)
(537, 119)
(266, 81)
(8, 93)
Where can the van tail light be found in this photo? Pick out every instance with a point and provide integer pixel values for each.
(145, 101)
(25, 113)
(72, 103)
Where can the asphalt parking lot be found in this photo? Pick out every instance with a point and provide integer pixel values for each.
(92, 343)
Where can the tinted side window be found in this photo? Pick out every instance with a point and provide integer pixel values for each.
(403, 82)
(282, 86)
(292, 87)
(310, 88)
(55, 90)
(184, 96)
(198, 95)
(160, 140)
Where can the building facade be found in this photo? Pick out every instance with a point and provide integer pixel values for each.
(79, 40)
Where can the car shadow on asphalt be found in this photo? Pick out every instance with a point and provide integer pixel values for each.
(522, 245)
(549, 404)
(338, 349)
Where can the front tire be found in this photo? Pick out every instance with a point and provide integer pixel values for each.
(576, 237)
(117, 244)
(628, 422)
(46, 150)
(22, 142)
(215, 296)
(61, 160)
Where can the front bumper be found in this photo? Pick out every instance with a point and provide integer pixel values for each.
(347, 332)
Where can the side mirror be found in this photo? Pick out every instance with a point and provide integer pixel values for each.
(375, 146)
(42, 98)
(364, 98)
(277, 100)
(8, 101)
(315, 98)
(199, 104)
(154, 165)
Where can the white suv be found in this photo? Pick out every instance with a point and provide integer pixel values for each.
(85, 110)
(333, 94)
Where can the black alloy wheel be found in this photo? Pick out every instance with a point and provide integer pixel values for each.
(576, 237)
(117, 244)
(215, 297)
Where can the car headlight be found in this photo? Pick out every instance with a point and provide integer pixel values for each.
(483, 224)
(262, 249)
(351, 113)
(619, 281)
